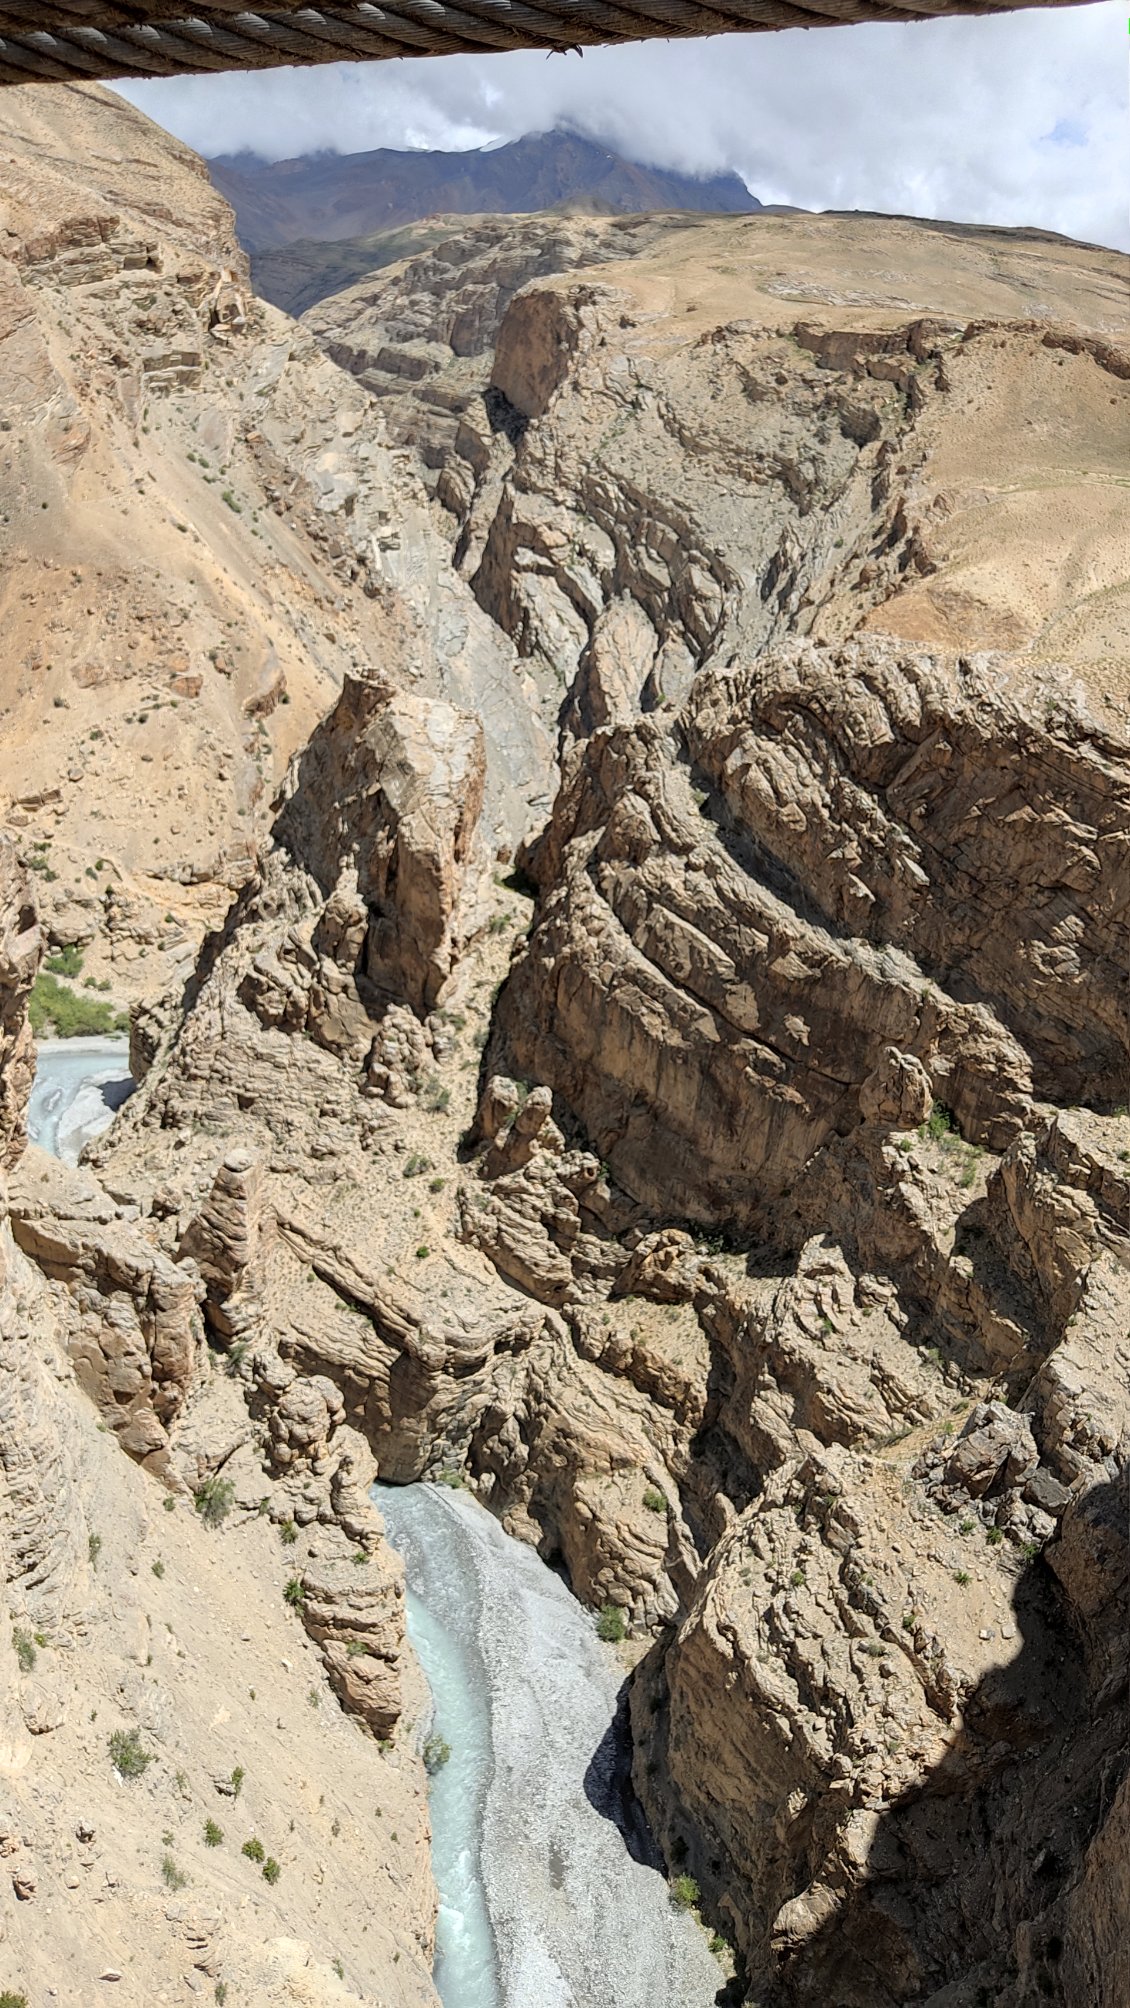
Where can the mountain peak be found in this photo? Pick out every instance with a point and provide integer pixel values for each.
(331, 196)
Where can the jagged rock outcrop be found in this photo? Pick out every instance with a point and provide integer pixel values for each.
(223, 1241)
(358, 1619)
(21, 947)
(132, 1322)
(383, 810)
(704, 902)
(420, 334)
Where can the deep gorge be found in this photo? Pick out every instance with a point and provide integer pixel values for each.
(638, 1035)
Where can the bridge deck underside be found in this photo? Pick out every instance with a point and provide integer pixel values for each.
(73, 40)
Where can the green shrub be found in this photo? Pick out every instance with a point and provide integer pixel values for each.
(94, 1548)
(65, 961)
(962, 1576)
(294, 1593)
(684, 1892)
(24, 1647)
(995, 1536)
(654, 1501)
(213, 1834)
(237, 1778)
(214, 1500)
(610, 1624)
(939, 1123)
(288, 1533)
(53, 1009)
(10, 2000)
(128, 1754)
(271, 1870)
(158, 1567)
(172, 1876)
(254, 1850)
(436, 1752)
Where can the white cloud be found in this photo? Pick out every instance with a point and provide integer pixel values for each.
(1016, 118)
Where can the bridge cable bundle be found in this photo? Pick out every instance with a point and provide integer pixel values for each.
(71, 41)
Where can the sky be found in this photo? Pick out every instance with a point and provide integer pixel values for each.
(1013, 118)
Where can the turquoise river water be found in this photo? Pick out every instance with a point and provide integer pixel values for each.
(547, 1894)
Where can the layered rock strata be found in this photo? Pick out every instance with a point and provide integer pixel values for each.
(734, 1193)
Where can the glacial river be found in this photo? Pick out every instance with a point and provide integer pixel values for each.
(543, 1903)
(547, 1895)
(80, 1084)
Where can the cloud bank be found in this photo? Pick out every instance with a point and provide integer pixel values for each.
(1013, 119)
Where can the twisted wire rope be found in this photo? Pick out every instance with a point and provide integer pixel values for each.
(76, 40)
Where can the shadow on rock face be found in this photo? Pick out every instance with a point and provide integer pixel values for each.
(115, 1093)
(610, 1792)
(1003, 1880)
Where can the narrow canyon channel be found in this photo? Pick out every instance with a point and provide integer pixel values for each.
(548, 1889)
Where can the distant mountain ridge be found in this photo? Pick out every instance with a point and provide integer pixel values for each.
(329, 197)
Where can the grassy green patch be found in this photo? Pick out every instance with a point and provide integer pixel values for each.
(56, 1011)
(65, 961)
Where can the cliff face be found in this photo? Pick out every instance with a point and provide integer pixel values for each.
(157, 1693)
(160, 1692)
(21, 946)
(714, 1150)
(204, 532)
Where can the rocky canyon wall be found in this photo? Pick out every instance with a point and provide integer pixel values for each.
(759, 1249)
(207, 1693)
(665, 1066)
